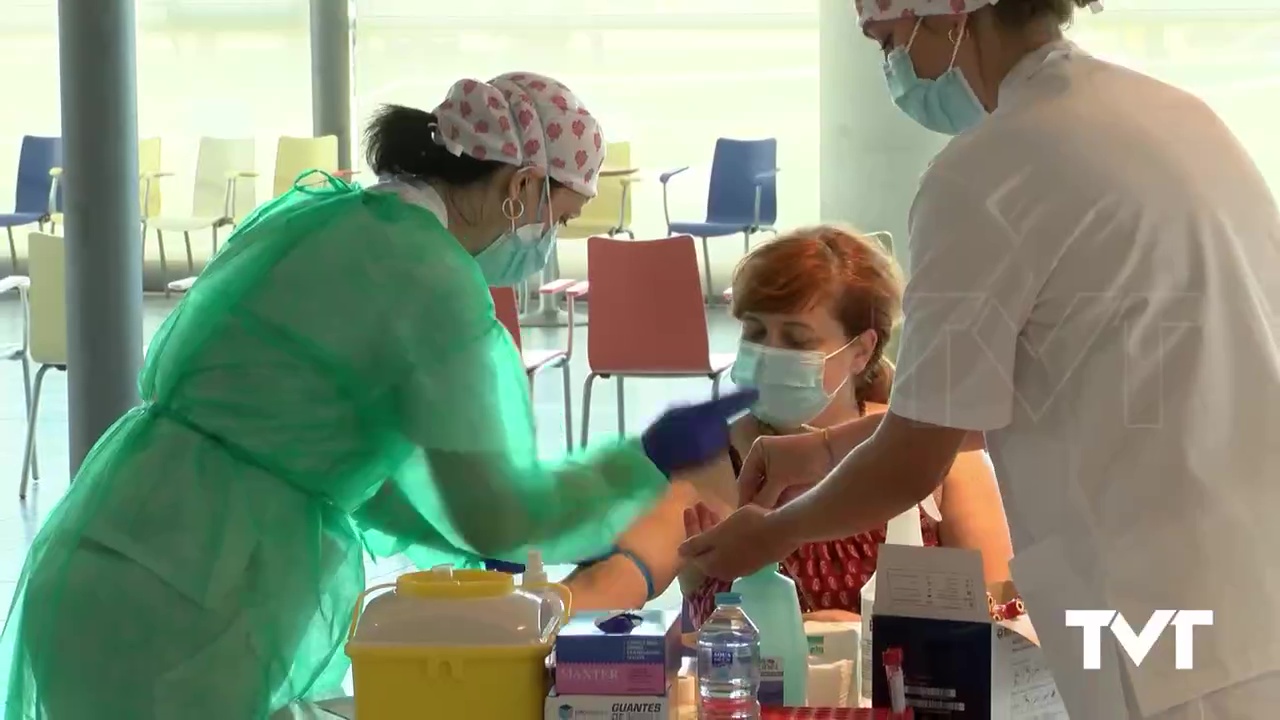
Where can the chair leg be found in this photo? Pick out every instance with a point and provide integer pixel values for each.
(715, 386)
(191, 260)
(622, 408)
(26, 396)
(13, 251)
(586, 407)
(215, 242)
(28, 457)
(164, 263)
(706, 267)
(746, 241)
(568, 406)
(533, 408)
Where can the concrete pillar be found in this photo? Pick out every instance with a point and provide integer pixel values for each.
(331, 71)
(98, 62)
(872, 155)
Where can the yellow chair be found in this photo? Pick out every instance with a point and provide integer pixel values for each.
(149, 170)
(609, 212)
(296, 155)
(148, 191)
(47, 305)
(223, 194)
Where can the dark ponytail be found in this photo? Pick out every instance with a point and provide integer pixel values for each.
(401, 140)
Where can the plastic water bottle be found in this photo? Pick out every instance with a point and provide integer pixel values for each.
(772, 603)
(728, 663)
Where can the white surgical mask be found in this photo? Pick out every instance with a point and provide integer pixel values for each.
(791, 383)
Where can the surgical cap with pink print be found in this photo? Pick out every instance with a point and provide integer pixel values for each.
(524, 119)
(871, 10)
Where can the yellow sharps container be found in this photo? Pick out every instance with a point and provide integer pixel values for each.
(451, 643)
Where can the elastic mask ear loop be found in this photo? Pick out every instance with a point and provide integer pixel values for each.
(546, 201)
(915, 30)
(957, 38)
(842, 348)
(512, 209)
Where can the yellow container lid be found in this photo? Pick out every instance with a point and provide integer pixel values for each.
(447, 607)
(455, 584)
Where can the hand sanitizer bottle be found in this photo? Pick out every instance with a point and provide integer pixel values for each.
(770, 600)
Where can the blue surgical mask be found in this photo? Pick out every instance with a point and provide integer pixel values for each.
(791, 383)
(520, 251)
(946, 105)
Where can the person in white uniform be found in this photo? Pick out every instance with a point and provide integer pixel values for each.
(1094, 267)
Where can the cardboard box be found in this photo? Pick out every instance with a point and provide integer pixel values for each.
(608, 707)
(932, 603)
(642, 662)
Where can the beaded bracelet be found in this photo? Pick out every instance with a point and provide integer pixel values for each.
(1005, 611)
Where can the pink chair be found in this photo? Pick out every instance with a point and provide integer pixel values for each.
(647, 316)
(535, 361)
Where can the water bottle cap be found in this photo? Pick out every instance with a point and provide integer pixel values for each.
(728, 598)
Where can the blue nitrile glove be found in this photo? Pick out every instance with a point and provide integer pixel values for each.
(692, 435)
(503, 566)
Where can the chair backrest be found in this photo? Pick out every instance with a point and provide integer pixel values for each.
(603, 212)
(218, 159)
(504, 303)
(646, 312)
(296, 155)
(731, 197)
(149, 161)
(47, 266)
(38, 156)
(885, 238)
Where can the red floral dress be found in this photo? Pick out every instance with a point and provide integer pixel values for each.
(828, 575)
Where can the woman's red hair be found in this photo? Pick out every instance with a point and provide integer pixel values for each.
(827, 266)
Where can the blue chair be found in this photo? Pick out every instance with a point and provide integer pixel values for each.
(35, 199)
(743, 197)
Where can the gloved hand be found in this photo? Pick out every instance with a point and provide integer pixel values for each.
(692, 435)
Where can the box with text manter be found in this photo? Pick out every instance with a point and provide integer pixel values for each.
(932, 604)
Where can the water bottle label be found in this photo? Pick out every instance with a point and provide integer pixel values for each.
(771, 685)
(727, 663)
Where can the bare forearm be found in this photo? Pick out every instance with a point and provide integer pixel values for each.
(614, 583)
(896, 469)
(862, 492)
(847, 436)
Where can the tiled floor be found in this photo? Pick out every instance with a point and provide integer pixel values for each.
(20, 520)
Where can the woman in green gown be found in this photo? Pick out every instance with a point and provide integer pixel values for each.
(335, 382)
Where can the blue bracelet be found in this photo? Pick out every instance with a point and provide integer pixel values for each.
(650, 591)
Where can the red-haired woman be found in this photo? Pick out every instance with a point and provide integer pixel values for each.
(817, 306)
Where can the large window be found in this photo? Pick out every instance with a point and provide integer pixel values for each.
(668, 75)
(221, 68)
(1225, 51)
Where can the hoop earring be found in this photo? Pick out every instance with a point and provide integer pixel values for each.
(512, 209)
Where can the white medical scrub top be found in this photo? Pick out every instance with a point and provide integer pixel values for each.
(1094, 284)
